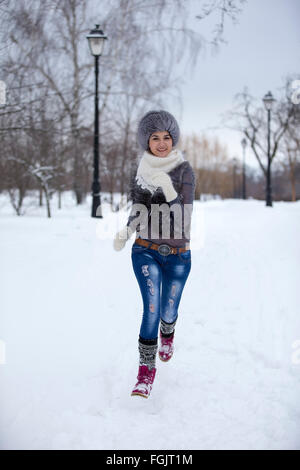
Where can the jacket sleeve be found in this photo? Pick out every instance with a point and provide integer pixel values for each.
(132, 197)
(185, 198)
(138, 209)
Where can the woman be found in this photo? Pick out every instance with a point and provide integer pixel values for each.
(161, 256)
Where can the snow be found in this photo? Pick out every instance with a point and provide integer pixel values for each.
(71, 312)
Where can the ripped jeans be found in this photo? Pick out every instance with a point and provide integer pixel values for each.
(161, 280)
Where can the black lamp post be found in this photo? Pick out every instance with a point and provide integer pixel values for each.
(269, 100)
(234, 177)
(96, 40)
(244, 145)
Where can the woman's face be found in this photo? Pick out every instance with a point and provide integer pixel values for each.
(160, 143)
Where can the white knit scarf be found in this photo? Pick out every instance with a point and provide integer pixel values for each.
(150, 164)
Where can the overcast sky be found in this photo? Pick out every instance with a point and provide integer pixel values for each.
(262, 49)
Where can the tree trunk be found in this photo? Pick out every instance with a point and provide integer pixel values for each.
(47, 201)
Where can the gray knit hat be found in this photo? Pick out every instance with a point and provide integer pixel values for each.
(157, 121)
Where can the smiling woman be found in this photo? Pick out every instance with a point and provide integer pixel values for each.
(161, 261)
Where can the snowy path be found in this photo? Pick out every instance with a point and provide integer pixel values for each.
(70, 316)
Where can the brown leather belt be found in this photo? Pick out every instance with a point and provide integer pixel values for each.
(163, 248)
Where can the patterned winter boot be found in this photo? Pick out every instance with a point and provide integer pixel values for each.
(147, 370)
(145, 381)
(166, 348)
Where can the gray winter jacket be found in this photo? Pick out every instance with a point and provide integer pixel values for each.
(173, 217)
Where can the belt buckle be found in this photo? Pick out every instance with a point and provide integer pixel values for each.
(164, 250)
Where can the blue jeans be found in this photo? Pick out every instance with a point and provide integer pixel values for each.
(161, 280)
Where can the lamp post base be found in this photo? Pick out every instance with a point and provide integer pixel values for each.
(97, 208)
(96, 203)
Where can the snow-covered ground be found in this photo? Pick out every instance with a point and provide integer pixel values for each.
(70, 318)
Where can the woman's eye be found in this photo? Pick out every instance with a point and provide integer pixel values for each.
(167, 137)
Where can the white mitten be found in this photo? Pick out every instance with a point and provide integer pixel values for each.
(121, 238)
(162, 179)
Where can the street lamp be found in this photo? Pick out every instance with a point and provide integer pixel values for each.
(96, 40)
(244, 145)
(234, 160)
(269, 100)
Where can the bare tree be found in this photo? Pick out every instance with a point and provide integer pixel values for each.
(249, 117)
(48, 50)
(211, 164)
(223, 9)
(289, 150)
(30, 148)
(44, 33)
(290, 156)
